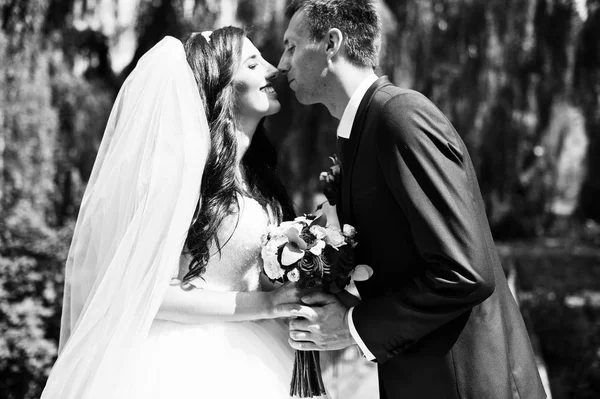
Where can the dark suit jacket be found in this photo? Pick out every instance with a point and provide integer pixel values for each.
(437, 313)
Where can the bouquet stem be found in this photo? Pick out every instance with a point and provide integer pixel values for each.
(307, 381)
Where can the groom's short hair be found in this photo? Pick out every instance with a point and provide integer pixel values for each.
(358, 21)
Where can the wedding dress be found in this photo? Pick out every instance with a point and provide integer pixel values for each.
(221, 359)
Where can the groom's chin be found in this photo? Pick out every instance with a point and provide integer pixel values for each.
(304, 100)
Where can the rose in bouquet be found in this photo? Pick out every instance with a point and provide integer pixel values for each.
(309, 252)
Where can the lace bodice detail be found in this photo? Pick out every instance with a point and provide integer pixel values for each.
(239, 265)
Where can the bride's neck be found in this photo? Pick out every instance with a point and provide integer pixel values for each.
(243, 143)
(244, 137)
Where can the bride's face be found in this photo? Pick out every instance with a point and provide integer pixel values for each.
(254, 94)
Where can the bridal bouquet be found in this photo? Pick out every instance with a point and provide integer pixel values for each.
(309, 252)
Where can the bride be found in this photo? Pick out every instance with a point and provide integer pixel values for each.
(164, 295)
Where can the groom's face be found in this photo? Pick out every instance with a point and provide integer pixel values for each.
(304, 62)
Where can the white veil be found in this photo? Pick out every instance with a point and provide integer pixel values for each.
(132, 224)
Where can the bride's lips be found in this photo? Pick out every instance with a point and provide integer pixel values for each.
(268, 89)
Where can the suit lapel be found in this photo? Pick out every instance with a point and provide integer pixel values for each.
(350, 147)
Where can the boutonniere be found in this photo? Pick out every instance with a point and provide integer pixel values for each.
(332, 181)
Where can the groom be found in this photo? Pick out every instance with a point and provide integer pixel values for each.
(437, 316)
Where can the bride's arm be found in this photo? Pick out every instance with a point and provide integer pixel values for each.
(192, 305)
(197, 305)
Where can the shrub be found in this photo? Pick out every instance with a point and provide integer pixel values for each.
(31, 284)
(569, 338)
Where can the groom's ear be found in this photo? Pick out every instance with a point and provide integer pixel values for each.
(334, 39)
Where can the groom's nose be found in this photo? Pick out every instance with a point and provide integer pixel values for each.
(284, 65)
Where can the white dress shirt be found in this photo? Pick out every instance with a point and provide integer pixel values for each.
(345, 127)
(343, 131)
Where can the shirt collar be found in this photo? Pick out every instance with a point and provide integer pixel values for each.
(345, 127)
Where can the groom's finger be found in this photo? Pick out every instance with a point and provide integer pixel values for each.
(301, 336)
(304, 345)
(304, 325)
(296, 310)
(318, 298)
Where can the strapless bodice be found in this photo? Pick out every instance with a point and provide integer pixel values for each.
(239, 265)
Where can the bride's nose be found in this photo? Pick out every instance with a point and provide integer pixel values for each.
(272, 72)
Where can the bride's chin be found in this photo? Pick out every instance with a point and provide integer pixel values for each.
(274, 108)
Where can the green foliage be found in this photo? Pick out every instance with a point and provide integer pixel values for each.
(559, 287)
(28, 125)
(31, 283)
(499, 70)
(51, 122)
(569, 340)
(587, 86)
(83, 108)
(557, 266)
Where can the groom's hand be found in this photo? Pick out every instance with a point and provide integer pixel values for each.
(322, 325)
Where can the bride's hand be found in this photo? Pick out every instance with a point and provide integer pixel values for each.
(287, 293)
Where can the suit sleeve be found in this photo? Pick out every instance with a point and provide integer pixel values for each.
(431, 179)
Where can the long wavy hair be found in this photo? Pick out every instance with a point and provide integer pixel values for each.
(214, 63)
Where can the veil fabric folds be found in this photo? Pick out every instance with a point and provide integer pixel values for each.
(134, 217)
